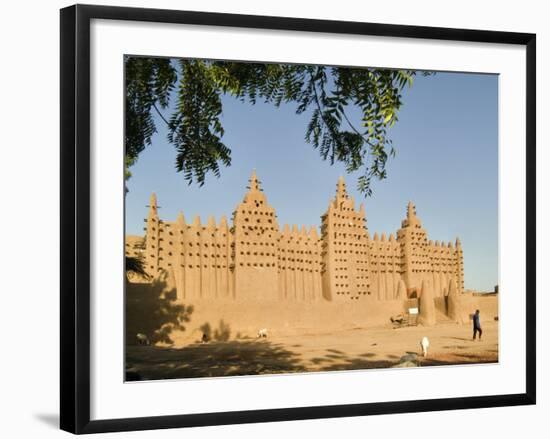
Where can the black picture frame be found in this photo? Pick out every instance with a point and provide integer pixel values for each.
(75, 217)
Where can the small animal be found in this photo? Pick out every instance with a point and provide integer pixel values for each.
(262, 333)
(397, 319)
(142, 339)
(425, 344)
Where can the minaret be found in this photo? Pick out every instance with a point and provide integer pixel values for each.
(285, 265)
(223, 260)
(411, 210)
(345, 267)
(152, 232)
(179, 269)
(254, 183)
(341, 193)
(459, 267)
(412, 220)
(208, 259)
(254, 193)
(256, 239)
(193, 266)
(153, 207)
(415, 256)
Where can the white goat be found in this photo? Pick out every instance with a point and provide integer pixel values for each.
(425, 344)
(262, 333)
(142, 338)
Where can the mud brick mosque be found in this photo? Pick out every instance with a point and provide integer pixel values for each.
(254, 260)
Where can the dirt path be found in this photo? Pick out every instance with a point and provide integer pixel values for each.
(383, 347)
(344, 350)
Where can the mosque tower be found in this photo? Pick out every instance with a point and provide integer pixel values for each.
(152, 232)
(345, 266)
(256, 234)
(415, 256)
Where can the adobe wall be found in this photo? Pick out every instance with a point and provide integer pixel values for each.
(154, 308)
(299, 265)
(253, 259)
(244, 319)
(385, 266)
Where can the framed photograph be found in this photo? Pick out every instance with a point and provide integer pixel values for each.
(273, 218)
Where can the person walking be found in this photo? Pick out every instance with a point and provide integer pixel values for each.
(477, 325)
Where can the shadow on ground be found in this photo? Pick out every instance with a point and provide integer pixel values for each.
(152, 310)
(213, 359)
(344, 362)
(370, 360)
(258, 357)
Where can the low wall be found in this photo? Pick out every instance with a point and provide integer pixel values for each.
(152, 309)
(246, 318)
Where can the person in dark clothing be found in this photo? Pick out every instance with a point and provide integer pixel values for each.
(477, 324)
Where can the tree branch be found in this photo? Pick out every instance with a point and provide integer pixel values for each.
(160, 114)
(355, 129)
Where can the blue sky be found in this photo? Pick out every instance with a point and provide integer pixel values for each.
(447, 163)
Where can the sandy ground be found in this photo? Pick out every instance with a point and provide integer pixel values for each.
(345, 350)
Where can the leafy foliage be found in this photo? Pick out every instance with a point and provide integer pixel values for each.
(136, 265)
(195, 127)
(149, 82)
(329, 94)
